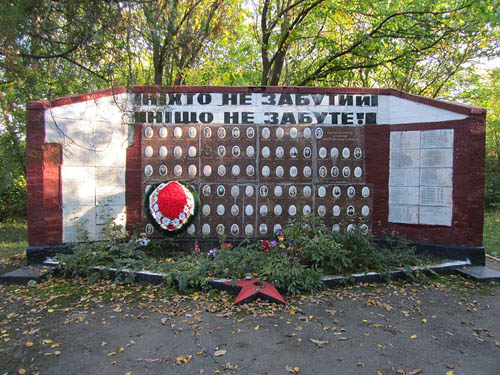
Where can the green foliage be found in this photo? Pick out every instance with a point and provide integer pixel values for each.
(287, 273)
(491, 239)
(492, 182)
(482, 88)
(296, 262)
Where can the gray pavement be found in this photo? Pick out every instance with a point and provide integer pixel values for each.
(450, 326)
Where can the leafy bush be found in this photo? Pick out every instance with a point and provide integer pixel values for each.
(295, 262)
(492, 182)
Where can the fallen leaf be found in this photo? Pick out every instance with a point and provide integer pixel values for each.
(29, 344)
(292, 370)
(47, 341)
(401, 371)
(451, 367)
(319, 343)
(220, 353)
(128, 373)
(415, 372)
(497, 343)
(118, 309)
(256, 328)
(181, 360)
(163, 321)
(413, 337)
(111, 354)
(451, 372)
(21, 371)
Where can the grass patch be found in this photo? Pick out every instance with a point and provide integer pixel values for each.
(491, 231)
(13, 244)
(13, 238)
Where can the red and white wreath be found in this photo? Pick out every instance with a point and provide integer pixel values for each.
(171, 205)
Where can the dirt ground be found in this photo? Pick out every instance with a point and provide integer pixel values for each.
(447, 325)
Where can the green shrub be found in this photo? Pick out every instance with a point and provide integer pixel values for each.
(296, 262)
(492, 182)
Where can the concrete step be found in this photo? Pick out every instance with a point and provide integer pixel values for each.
(22, 276)
(480, 273)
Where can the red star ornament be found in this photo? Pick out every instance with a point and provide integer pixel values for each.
(253, 288)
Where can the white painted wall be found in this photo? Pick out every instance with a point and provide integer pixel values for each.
(94, 138)
(390, 109)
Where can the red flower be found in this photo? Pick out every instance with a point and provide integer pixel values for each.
(172, 200)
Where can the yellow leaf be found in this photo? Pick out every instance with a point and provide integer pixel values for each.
(128, 373)
(47, 341)
(118, 309)
(216, 371)
(50, 310)
(111, 354)
(21, 371)
(181, 360)
(256, 328)
(413, 337)
(424, 320)
(451, 372)
(121, 350)
(29, 344)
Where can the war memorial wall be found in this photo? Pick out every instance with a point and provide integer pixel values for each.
(380, 161)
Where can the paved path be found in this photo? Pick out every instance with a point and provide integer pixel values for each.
(450, 326)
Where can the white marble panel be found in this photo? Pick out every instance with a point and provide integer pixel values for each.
(106, 212)
(78, 156)
(431, 215)
(78, 186)
(404, 177)
(116, 199)
(404, 159)
(100, 232)
(112, 155)
(407, 214)
(77, 219)
(406, 140)
(74, 111)
(442, 138)
(436, 177)
(110, 176)
(436, 196)
(103, 190)
(440, 158)
(67, 131)
(403, 195)
(112, 108)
